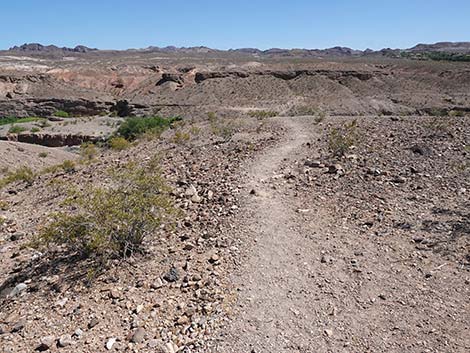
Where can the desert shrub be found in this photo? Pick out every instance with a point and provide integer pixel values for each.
(61, 114)
(212, 116)
(21, 174)
(457, 113)
(118, 143)
(43, 154)
(195, 130)
(262, 114)
(35, 129)
(113, 221)
(181, 137)
(438, 125)
(341, 139)
(4, 205)
(44, 123)
(12, 120)
(226, 129)
(68, 166)
(88, 151)
(15, 129)
(219, 127)
(132, 128)
(437, 112)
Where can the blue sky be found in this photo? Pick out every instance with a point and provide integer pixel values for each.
(119, 24)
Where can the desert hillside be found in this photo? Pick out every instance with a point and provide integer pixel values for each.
(207, 201)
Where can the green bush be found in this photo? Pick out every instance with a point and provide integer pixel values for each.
(35, 129)
(61, 114)
(118, 143)
(113, 221)
(341, 139)
(21, 174)
(15, 129)
(11, 120)
(132, 128)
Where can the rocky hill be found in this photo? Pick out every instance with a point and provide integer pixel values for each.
(36, 47)
(450, 47)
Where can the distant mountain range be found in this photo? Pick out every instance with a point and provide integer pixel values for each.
(36, 47)
(451, 48)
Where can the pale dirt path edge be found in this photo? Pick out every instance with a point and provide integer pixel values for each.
(274, 286)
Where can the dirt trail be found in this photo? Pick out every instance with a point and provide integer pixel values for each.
(311, 282)
(275, 311)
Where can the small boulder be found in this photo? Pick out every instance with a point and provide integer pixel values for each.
(138, 336)
(65, 341)
(172, 275)
(18, 289)
(46, 343)
(110, 343)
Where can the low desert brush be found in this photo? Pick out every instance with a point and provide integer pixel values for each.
(118, 143)
(24, 174)
(88, 152)
(341, 139)
(106, 222)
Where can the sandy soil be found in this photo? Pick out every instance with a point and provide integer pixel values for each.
(16, 154)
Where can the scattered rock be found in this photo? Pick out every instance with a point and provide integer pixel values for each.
(196, 199)
(16, 236)
(18, 326)
(78, 333)
(191, 191)
(138, 335)
(139, 308)
(153, 343)
(114, 294)
(46, 343)
(421, 150)
(314, 164)
(110, 343)
(326, 259)
(157, 284)
(214, 258)
(172, 275)
(398, 180)
(336, 169)
(18, 289)
(65, 341)
(93, 323)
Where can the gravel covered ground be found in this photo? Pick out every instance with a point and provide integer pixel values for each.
(281, 247)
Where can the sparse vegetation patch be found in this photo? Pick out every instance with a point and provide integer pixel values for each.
(112, 221)
(262, 114)
(132, 128)
(21, 174)
(341, 139)
(61, 114)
